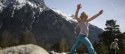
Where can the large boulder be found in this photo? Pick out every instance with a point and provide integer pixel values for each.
(24, 49)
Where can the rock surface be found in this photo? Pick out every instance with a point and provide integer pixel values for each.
(24, 49)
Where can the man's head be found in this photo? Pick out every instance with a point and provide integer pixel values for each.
(116, 40)
(83, 16)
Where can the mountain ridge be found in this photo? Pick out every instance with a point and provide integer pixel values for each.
(18, 16)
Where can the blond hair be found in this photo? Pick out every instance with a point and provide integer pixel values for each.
(83, 14)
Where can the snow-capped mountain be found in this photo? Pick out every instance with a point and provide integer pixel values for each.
(48, 25)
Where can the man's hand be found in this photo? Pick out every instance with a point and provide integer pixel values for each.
(79, 6)
(100, 12)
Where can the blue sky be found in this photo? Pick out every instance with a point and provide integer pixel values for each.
(113, 9)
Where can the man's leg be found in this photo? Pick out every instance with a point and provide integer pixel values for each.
(88, 44)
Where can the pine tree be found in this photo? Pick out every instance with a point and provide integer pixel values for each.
(112, 27)
(111, 30)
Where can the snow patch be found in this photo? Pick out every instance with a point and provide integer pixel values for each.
(18, 4)
(32, 4)
(68, 18)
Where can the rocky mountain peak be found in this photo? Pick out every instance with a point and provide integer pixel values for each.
(47, 25)
(18, 4)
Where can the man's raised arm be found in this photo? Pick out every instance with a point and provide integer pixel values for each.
(77, 11)
(95, 16)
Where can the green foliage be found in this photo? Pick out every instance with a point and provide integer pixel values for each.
(101, 48)
(7, 39)
(45, 45)
(28, 38)
(112, 27)
(111, 30)
(121, 43)
(55, 47)
(63, 45)
(0, 48)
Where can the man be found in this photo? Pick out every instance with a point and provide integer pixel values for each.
(114, 46)
(84, 30)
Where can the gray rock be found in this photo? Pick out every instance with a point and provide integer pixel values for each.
(24, 49)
